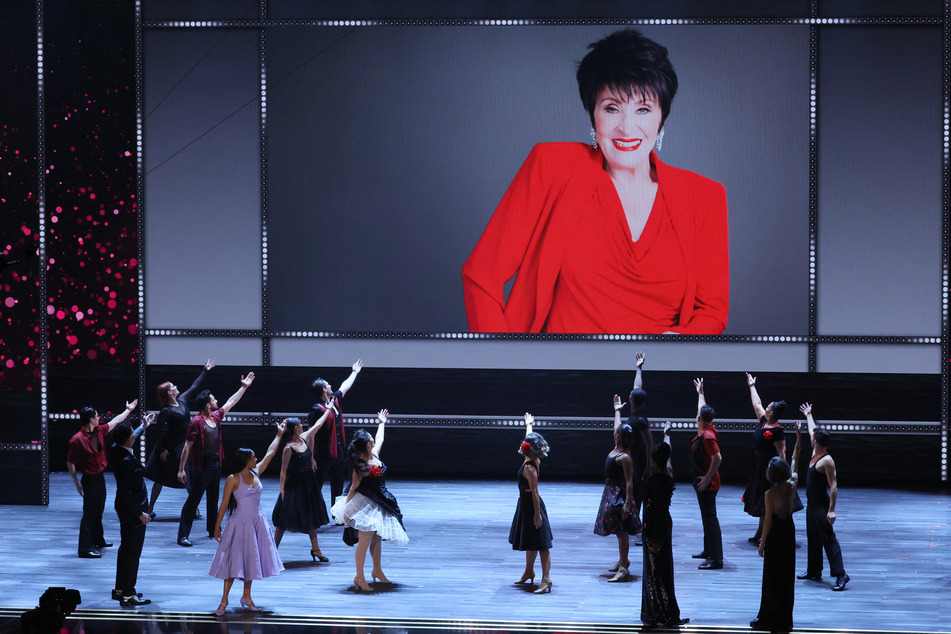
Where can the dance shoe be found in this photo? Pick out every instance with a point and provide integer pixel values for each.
(529, 577)
(117, 595)
(248, 604)
(361, 585)
(221, 608)
(103, 545)
(90, 554)
(621, 575)
(808, 576)
(131, 602)
(840, 583)
(184, 541)
(710, 564)
(699, 556)
(317, 556)
(544, 586)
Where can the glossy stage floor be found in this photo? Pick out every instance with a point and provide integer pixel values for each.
(457, 572)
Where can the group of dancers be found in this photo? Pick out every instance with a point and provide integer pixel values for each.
(637, 474)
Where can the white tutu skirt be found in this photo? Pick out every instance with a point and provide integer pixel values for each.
(366, 515)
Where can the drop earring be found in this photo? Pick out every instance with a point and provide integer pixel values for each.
(594, 139)
(660, 140)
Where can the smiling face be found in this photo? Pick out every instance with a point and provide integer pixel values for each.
(626, 128)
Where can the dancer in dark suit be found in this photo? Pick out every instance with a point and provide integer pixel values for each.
(132, 507)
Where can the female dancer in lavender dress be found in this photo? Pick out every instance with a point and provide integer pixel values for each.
(246, 549)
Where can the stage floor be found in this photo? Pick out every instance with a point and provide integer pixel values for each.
(457, 571)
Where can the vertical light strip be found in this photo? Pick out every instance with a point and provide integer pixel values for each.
(43, 357)
(140, 210)
(946, 235)
(265, 325)
(813, 183)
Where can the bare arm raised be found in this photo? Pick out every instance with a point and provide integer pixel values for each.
(233, 400)
(349, 381)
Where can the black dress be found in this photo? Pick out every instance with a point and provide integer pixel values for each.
(302, 508)
(658, 602)
(638, 451)
(523, 534)
(174, 419)
(764, 450)
(611, 509)
(779, 577)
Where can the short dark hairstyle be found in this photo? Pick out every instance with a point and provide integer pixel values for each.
(822, 437)
(319, 385)
(707, 414)
(661, 454)
(629, 64)
(538, 446)
(121, 433)
(203, 398)
(86, 414)
(777, 471)
(637, 399)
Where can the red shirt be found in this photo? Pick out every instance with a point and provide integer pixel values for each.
(561, 231)
(83, 453)
(196, 434)
(701, 459)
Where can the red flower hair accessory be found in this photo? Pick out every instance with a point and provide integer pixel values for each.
(376, 471)
(767, 434)
(526, 447)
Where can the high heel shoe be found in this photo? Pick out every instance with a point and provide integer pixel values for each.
(544, 586)
(614, 567)
(318, 556)
(528, 577)
(379, 576)
(248, 604)
(361, 585)
(621, 575)
(221, 608)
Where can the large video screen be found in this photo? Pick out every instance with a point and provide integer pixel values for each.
(394, 151)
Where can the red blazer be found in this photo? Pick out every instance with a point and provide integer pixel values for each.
(533, 226)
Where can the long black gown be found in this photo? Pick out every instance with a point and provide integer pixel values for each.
(658, 602)
(175, 419)
(523, 535)
(302, 509)
(779, 577)
(764, 449)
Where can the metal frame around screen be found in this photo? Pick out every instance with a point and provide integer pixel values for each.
(813, 340)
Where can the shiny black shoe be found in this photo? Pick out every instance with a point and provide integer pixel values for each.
(90, 554)
(699, 556)
(677, 623)
(131, 602)
(840, 583)
(710, 564)
(197, 514)
(117, 595)
(808, 576)
(184, 541)
(103, 545)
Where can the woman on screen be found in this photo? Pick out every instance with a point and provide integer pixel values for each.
(606, 238)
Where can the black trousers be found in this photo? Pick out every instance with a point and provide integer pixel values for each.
(94, 503)
(132, 534)
(819, 535)
(712, 539)
(336, 469)
(207, 483)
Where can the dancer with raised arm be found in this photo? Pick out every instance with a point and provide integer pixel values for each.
(769, 441)
(300, 507)
(615, 514)
(658, 602)
(203, 444)
(87, 455)
(822, 490)
(332, 439)
(369, 507)
(531, 530)
(705, 459)
(173, 419)
(246, 548)
(778, 545)
(643, 443)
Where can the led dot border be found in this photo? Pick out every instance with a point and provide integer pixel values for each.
(41, 253)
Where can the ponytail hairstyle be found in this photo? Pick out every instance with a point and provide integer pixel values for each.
(534, 446)
(358, 447)
(779, 408)
(625, 436)
(239, 461)
(162, 392)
